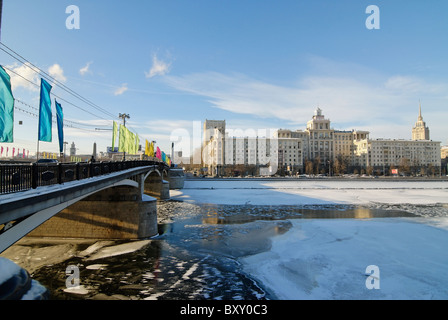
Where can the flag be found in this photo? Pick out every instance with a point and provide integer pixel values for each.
(158, 154)
(6, 108)
(45, 116)
(151, 149)
(146, 148)
(137, 143)
(60, 121)
(130, 142)
(114, 136)
(163, 156)
(122, 139)
(23, 154)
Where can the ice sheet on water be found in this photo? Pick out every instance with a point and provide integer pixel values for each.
(327, 259)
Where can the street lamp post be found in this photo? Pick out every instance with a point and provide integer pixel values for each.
(124, 116)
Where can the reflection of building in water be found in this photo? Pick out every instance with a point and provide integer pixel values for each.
(363, 213)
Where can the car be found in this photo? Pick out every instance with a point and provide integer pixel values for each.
(48, 161)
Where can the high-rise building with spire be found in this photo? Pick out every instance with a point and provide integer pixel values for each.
(420, 131)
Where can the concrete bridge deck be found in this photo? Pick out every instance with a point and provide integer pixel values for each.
(109, 196)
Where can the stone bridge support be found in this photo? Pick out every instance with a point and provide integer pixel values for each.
(156, 186)
(120, 212)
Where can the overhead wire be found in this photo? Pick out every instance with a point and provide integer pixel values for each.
(67, 122)
(60, 98)
(62, 86)
(44, 74)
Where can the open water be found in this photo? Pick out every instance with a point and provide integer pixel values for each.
(196, 255)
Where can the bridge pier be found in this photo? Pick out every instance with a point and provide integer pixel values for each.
(156, 186)
(176, 178)
(115, 213)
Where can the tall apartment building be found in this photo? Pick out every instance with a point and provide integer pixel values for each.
(291, 149)
(384, 154)
(321, 144)
(320, 137)
(209, 129)
(420, 131)
(222, 152)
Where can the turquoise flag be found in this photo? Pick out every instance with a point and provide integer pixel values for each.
(60, 120)
(6, 108)
(45, 116)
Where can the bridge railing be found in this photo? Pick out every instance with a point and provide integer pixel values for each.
(22, 177)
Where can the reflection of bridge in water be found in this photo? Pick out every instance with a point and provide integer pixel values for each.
(104, 200)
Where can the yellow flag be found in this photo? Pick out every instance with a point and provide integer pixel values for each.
(151, 149)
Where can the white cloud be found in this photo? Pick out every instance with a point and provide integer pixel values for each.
(23, 76)
(350, 102)
(57, 72)
(121, 90)
(86, 69)
(158, 68)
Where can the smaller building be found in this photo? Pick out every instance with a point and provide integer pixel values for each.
(410, 156)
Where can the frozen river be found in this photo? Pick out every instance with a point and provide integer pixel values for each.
(324, 258)
(274, 239)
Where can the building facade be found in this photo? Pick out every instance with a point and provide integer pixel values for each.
(320, 149)
(420, 131)
(419, 155)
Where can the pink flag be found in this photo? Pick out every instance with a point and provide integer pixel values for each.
(13, 151)
(23, 154)
(2, 153)
(158, 153)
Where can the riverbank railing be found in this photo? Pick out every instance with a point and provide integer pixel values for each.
(22, 177)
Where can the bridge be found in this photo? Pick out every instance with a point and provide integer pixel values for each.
(105, 200)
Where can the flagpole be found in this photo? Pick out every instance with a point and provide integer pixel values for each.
(124, 116)
(37, 153)
(1, 11)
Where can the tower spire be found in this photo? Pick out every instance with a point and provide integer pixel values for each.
(420, 118)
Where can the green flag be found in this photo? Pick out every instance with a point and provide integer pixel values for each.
(137, 143)
(114, 136)
(6, 108)
(131, 142)
(122, 139)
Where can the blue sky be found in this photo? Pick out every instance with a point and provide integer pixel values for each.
(256, 64)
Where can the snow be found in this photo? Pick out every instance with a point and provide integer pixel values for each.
(327, 258)
(330, 258)
(8, 268)
(120, 249)
(312, 192)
